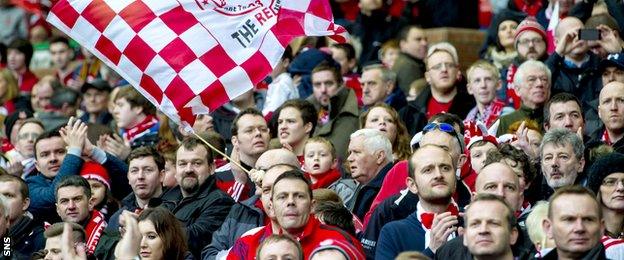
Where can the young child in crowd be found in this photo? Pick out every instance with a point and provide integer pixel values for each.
(320, 162)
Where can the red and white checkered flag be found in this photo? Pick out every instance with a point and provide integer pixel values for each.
(189, 57)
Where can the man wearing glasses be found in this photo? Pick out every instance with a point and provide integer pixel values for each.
(445, 93)
(532, 83)
(530, 42)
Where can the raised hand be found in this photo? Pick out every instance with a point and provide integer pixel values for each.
(444, 224)
(117, 146)
(69, 251)
(74, 133)
(128, 246)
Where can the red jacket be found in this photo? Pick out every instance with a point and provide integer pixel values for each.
(313, 236)
(392, 184)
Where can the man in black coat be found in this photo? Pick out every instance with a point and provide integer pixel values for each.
(200, 205)
(26, 235)
(447, 93)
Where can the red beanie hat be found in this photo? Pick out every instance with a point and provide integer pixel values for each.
(529, 24)
(95, 171)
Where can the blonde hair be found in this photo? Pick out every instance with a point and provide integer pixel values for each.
(534, 223)
(12, 89)
(484, 65)
(323, 141)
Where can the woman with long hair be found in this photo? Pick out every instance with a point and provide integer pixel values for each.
(155, 234)
(9, 90)
(384, 118)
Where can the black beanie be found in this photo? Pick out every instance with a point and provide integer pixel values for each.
(602, 167)
(24, 47)
(11, 119)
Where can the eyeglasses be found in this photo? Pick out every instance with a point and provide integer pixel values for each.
(32, 136)
(444, 127)
(610, 182)
(526, 42)
(447, 65)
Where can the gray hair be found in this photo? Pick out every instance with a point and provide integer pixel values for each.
(561, 137)
(4, 206)
(387, 75)
(446, 47)
(530, 64)
(375, 140)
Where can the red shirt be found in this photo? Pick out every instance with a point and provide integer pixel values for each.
(27, 81)
(314, 235)
(434, 107)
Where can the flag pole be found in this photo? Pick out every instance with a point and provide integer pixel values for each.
(237, 164)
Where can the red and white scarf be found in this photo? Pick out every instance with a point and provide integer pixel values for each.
(94, 229)
(426, 219)
(512, 96)
(136, 131)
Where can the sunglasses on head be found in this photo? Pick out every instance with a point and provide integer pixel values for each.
(444, 127)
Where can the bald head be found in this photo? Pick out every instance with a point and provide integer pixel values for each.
(610, 108)
(567, 24)
(275, 157)
(500, 179)
(614, 86)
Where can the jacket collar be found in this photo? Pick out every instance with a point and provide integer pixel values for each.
(381, 175)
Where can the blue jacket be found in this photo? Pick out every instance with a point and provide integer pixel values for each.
(42, 189)
(402, 235)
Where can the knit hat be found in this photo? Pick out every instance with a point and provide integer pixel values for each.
(24, 47)
(529, 24)
(95, 171)
(11, 119)
(304, 63)
(602, 167)
(613, 60)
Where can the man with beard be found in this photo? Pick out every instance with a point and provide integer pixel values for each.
(532, 83)
(199, 204)
(250, 138)
(530, 42)
(432, 178)
(562, 160)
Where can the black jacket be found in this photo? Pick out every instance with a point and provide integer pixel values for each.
(365, 194)
(414, 115)
(585, 83)
(373, 31)
(243, 217)
(393, 208)
(597, 253)
(202, 213)
(26, 236)
(455, 249)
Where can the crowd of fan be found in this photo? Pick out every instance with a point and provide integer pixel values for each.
(379, 148)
